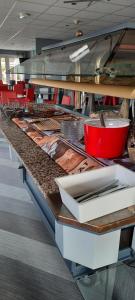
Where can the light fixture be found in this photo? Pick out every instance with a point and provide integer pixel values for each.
(110, 72)
(76, 21)
(75, 2)
(80, 53)
(79, 33)
(23, 15)
(98, 72)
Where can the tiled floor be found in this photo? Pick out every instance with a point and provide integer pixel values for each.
(31, 267)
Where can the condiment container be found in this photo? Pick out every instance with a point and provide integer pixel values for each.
(106, 142)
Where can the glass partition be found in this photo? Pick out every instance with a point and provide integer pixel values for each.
(122, 61)
(83, 58)
(115, 282)
(108, 59)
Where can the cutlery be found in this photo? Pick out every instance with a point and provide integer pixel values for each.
(101, 189)
(108, 191)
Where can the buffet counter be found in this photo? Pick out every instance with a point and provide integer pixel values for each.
(38, 172)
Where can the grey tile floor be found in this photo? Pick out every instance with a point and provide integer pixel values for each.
(31, 267)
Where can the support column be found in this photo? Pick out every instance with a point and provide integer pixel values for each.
(7, 69)
(0, 70)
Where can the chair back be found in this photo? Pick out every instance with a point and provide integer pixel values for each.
(66, 100)
(109, 100)
(30, 94)
(22, 83)
(19, 89)
(7, 96)
(55, 97)
(4, 87)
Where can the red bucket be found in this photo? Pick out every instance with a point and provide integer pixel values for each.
(106, 142)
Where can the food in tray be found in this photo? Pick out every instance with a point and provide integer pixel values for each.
(33, 120)
(69, 160)
(47, 124)
(59, 113)
(65, 118)
(86, 165)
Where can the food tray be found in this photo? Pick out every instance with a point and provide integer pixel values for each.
(65, 118)
(72, 185)
(47, 124)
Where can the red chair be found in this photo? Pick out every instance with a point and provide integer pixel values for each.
(66, 100)
(30, 94)
(30, 97)
(4, 87)
(19, 89)
(22, 82)
(109, 100)
(55, 96)
(1, 82)
(10, 97)
(7, 96)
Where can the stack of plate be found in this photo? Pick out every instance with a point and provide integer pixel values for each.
(72, 130)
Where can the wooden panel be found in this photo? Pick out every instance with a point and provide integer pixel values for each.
(126, 92)
(114, 221)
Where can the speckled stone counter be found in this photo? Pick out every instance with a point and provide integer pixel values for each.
(40, 166)
(43, 171)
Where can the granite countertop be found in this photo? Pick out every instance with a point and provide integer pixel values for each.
(40, 166)
(44, 170)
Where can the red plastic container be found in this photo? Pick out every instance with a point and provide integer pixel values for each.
(106, 142)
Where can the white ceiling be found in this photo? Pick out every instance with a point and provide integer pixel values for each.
(54, 19)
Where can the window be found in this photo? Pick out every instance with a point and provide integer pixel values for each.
(7, 63)
(3, 69)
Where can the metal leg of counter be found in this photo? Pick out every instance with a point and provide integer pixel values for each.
(133, 241)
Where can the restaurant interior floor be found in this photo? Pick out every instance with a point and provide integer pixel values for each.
(31, 267)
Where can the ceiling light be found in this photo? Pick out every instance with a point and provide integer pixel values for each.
(75, 2)
(80, 53)
(76, 21)
(98, 72)
(23, 15)
(79, 33)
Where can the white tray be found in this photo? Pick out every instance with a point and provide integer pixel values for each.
(73, 185)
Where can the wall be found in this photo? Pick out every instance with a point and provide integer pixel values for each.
(40, 43)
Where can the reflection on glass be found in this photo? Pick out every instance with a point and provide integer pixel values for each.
(116, 282)
(61, 61)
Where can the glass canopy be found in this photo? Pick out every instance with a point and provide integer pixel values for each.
(109, 56)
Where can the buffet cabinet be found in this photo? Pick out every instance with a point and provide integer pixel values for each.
(81, 249)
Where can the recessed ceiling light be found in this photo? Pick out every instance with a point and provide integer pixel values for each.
(76, 21)
(79, 33)
(23, 15)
